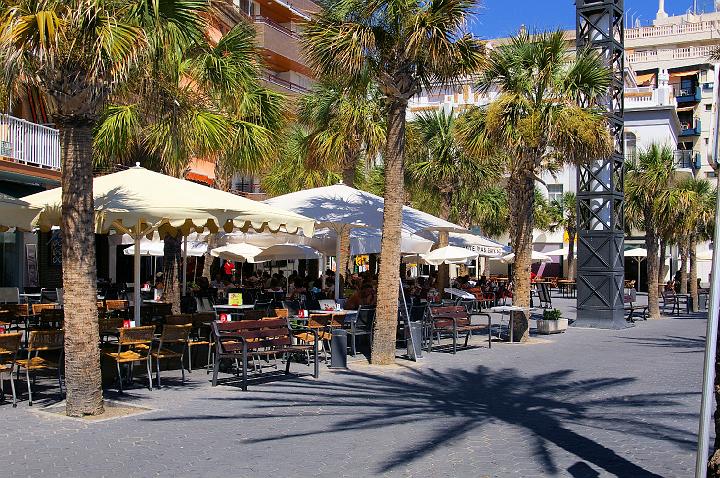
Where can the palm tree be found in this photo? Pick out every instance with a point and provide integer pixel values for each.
(647, 181)
(539, 122)
(77, 52)
(438, 162)
(403, 46)
(690, 206)
(206, 101)
(566, 207)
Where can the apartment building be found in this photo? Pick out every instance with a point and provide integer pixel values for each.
(29, 163)
(277, 23)
(670, 98)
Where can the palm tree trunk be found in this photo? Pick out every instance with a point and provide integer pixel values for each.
(663, 257)
(82, 354)
(521, 199)
(683, 269)
(172, 262)
(692, 254)
(571, 253)
(383, 345)
(651, 246)
(348, 175)
(208, 258)
(443, 277)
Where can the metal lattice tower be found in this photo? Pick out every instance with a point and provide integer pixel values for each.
(600, 203)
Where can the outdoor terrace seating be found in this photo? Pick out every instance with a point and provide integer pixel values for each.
(9, 347)
(172, 335)
(134, 346)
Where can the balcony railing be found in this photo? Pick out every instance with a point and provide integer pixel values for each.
(670, 30)
(29, 143)
(687, 160)
(288, 85)
(275, 25)
(646, 56)
(690, 129)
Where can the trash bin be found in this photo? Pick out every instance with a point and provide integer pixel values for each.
(338, 349)
(413, 336)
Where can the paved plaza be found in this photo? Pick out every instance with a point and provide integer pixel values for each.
(586, 403)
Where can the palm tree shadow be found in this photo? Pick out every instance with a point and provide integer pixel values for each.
(459, 402)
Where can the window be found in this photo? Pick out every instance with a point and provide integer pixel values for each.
(555, 192)
(246, 6)
(708, 107)
(630, 145)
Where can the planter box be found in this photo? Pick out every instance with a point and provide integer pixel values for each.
(551, 326)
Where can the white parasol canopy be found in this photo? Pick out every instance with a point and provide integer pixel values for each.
(287, 251)
(16, 213)
(480, 245)
(163, 203)
(636, 252)
(241, 252)
(536, 257)
(340, 208)
(157, 248)
(449, 255)
(138, 201)
(564, 252)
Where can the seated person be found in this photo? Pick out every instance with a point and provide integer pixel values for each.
(363, 296)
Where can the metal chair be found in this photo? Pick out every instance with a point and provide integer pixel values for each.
(361, 325)
(9, 346)
(42, 342)
(171, 335)
(137, 342)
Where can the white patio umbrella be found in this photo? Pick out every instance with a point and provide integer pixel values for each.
(449, 255)
(287, 251)
(639, 254)
(705, 255)
(536, 257)
(137, 201)
(157, 248)
(340, 207)
(16, 213)
(564, 252)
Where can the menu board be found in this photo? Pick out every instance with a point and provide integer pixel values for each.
(235, 298)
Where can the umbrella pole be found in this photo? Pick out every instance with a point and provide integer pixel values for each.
(136, 261)
(184, 260)
(337, 265)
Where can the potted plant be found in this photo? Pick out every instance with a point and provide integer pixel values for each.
(552, 322)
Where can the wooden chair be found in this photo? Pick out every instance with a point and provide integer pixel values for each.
(9, 346)
(201, 336)
(179, 319)
(50, 319)
(171, 335)
(37, 308)
(42, 342)
(109, 327)
(134, 346)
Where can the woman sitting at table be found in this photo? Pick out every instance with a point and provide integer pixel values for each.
(363, 296)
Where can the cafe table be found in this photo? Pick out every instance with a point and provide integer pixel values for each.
(509, 309)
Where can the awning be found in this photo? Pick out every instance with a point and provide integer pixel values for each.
(199, 178)
(645, 79)
(681, 74)
(685, 108)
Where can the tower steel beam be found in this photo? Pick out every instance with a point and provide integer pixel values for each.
(600, 203)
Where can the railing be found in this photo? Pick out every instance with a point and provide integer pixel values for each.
(272, 23)
(29, 143)
(670, 54)
(687, 160)
(670, 30)
(289, 85)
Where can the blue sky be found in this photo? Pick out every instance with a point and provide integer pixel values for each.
(499, 18)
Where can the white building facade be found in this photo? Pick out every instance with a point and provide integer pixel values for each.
(670, 99)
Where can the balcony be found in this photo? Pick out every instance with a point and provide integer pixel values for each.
(688, 129)
(277, 39)
(687, 160)
(691, 94)
(29, 143)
